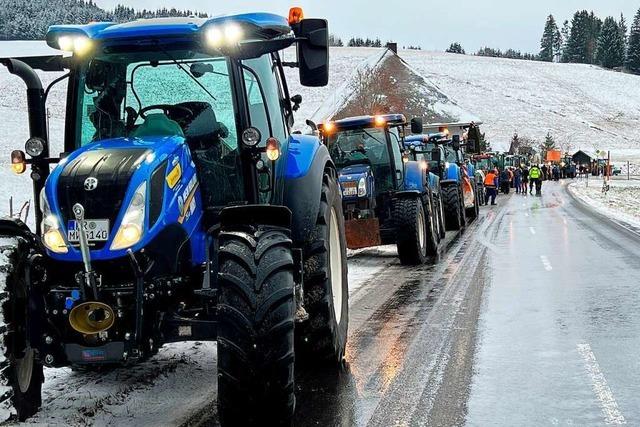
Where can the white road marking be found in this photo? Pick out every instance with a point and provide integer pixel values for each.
(546, 263)
(532, 230)
(610, 410)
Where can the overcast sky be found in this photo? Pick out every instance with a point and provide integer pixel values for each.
(431, 24)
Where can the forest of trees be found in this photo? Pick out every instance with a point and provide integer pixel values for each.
(29, 19)
(586, 39)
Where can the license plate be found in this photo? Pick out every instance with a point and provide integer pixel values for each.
(349, 189)
(97, 230)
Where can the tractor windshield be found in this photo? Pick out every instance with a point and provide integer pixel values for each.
(363, 146)
(162, 93)
(147, 95)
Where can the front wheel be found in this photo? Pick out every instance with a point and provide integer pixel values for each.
(256, 310)
(21, 374)
(411, 231)
(323, 337)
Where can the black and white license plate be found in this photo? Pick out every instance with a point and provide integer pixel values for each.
(97, 230)
(349, 189)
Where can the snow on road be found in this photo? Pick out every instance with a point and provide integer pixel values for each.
(620, 203)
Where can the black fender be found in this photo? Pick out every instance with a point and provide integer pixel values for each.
(15, 227)
(278, 216)
(448, 182)
(302, 196)
(407, 194)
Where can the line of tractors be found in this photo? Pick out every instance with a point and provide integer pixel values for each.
(183, 207)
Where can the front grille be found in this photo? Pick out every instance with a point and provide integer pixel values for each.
(112, 168)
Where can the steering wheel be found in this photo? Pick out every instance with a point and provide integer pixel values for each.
(166, 109)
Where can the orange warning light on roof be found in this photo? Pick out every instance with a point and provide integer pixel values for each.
(295, 15)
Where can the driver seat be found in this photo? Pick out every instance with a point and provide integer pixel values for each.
(157, 124)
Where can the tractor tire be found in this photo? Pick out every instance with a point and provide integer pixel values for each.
(433, 237)
(322, 338)
(442, 228)
(452, 208)
(256, 310)
(21, 374)
(410, 223)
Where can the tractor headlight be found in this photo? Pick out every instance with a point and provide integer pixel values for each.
(446, 165)
(251, 136)
(132, 226)
(34, 147)
(51, 235)
(224, 35)
(362, 187)
(78, 44)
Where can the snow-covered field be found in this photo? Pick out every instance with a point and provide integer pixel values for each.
(584, 106)
(620, 203)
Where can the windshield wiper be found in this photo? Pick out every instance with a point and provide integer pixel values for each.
(189, 74)
(371, 136)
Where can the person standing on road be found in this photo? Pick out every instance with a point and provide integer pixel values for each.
(505, 181)
(544, 172)
(491, 186)
(517, 179)
(525, 180)
(535, 176)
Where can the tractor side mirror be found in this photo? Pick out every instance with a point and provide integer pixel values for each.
(313, 52)
(436, 155)
(416, 125)
(455, 142)
(296, 100)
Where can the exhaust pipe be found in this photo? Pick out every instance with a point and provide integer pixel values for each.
(37, 124)
(91, 317)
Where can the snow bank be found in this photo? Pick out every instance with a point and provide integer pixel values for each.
(620, 203)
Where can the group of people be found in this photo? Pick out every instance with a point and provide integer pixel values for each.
(521, 178)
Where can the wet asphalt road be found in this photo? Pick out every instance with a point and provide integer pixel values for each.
(530, 317)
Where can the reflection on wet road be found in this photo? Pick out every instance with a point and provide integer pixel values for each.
(411, 344)
(560, 327)
(531, 317)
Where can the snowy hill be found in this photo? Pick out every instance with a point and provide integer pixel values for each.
(582, 106)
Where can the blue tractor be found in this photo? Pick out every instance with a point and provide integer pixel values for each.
(445, 159)
(182, 208)
(386, 197)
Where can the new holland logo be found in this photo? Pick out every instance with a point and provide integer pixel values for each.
(90, 183)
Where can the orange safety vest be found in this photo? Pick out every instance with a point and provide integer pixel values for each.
(490, 180)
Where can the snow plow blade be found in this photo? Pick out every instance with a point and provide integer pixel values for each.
(362, 233)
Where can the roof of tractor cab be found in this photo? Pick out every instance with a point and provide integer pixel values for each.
(426, 138)
(367, 121)
(257, 26)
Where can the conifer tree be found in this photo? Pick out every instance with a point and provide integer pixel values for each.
(633, 49)
(610, 45)
(548, 40)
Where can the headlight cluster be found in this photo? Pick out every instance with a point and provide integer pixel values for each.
(51, 235)
(224, 35)
(78, 44)
(362, 187)
(132, 225)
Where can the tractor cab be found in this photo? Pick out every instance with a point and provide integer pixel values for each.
(367, 153)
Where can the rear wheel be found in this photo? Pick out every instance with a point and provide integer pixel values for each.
(411, 230)
(21, 374)
(452, 208)
(323, 337)
(256, 310)
(433, 238)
